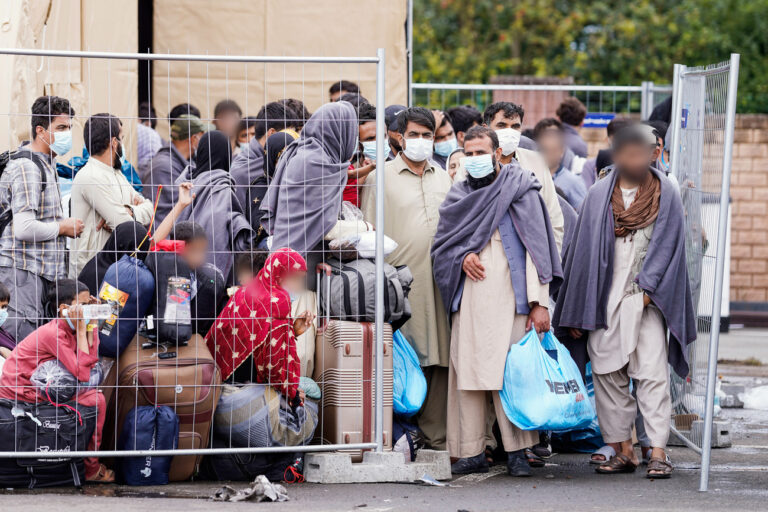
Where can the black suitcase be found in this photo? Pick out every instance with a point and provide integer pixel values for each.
(47, 429)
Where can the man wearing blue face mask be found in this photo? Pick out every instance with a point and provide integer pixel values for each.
(495, 264)
(414, 189)
(32, 245)
(445, 139)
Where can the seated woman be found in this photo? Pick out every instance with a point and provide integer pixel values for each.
(256, 325)
(67, 339)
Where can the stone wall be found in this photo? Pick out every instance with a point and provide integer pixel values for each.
(749, 193)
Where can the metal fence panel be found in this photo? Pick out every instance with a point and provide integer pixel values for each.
(704, 104)
(607, 99)
(198, 68)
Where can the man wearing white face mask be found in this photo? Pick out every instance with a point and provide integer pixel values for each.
(506, 120)
(32, 245)
(414, 190)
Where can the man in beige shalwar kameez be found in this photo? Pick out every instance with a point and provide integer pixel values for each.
(502, 292)
(414, 190)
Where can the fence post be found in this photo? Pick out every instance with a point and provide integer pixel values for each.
(409, 49)
(677, 114)
(646, 100)
(379, 302)
(714, 332)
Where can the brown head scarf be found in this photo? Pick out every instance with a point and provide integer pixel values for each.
(643, 210)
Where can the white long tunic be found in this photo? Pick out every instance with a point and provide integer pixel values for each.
(609, 349)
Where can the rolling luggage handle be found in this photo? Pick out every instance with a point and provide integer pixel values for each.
(323, 268)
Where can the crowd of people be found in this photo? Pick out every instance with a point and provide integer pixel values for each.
(503, 230)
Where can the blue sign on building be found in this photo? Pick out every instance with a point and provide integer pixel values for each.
(598, 119)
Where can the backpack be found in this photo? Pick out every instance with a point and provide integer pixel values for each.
(352, 292)
(129, 288)
(148, 428)
(171, 306)
(5, 158)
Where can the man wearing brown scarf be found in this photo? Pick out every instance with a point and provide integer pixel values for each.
(633, 345)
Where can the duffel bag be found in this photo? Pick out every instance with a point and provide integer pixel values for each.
(44, 428)
(242, 467)
(352, 292)
(171, 307)
(129, 287)
(256, 415)
(148, 428)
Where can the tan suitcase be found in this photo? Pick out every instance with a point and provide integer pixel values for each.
(345, 372)
(189, 383)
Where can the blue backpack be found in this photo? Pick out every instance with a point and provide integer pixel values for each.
(129, 288)
(148, 428)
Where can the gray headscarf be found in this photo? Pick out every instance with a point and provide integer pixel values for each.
(305, 195)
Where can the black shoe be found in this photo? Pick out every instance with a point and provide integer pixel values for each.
(517, 465)
(543, 449)
(467, 465)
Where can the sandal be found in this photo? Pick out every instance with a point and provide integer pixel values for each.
(617, 464)
(663, 466)
(102, 476)
(606, 452)
(534, 460)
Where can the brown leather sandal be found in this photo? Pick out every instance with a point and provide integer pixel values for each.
(617, 464)
(663, 468)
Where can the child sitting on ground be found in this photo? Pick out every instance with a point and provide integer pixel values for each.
(247, 265)
(209, 289)
(67, 339)
(256, 325)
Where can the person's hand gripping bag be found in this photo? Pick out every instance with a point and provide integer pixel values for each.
(542, 392)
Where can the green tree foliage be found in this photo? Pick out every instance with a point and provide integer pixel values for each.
(594, 41)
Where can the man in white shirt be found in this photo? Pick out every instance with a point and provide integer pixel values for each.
(101, 196)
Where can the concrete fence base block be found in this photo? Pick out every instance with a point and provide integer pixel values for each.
(721, 435)
(338, 468)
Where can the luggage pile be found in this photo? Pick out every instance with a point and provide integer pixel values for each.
(164, 391)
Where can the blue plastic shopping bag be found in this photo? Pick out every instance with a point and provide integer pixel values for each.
(409, 387)
(584, 440)
(541, 392)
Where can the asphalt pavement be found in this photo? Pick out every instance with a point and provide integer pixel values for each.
(738, 482)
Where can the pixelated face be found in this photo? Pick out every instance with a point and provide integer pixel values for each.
(551, 147)
(295, 282)
(195, 253)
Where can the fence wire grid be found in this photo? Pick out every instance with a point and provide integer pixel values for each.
(353, 369)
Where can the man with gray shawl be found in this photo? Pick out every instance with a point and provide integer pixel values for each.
(303, 202)
(626, 284)
(495, 263)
